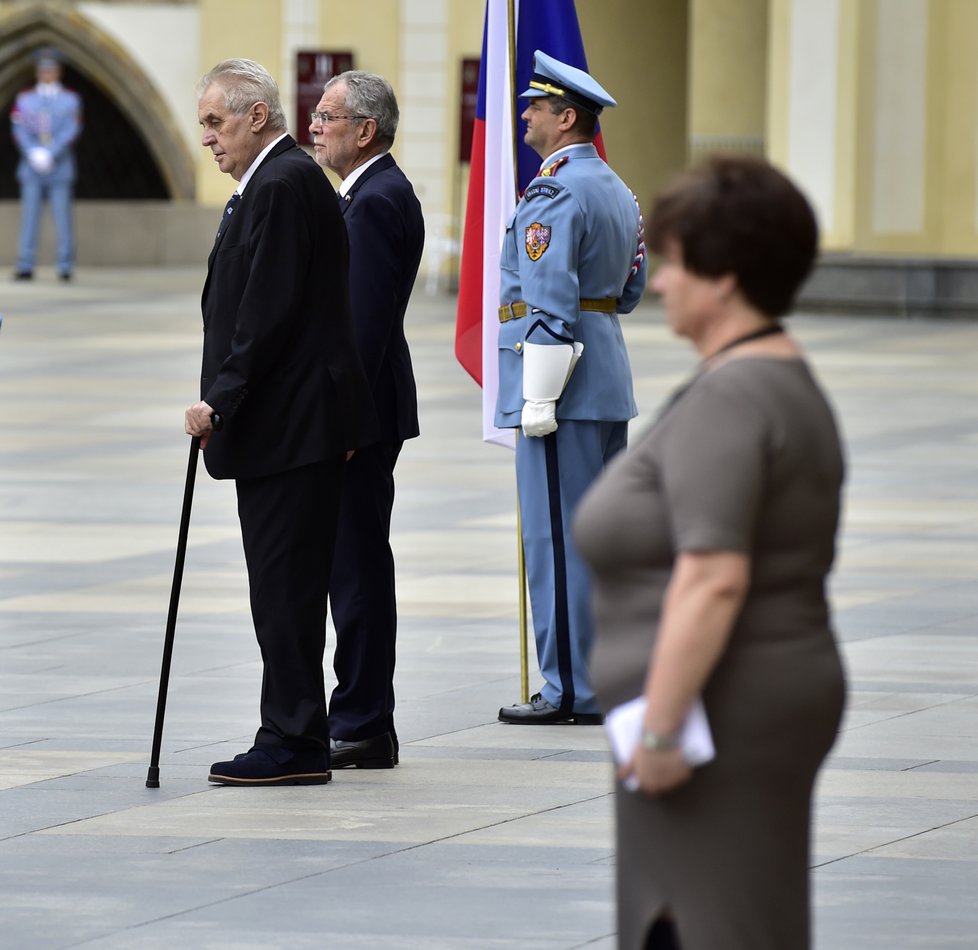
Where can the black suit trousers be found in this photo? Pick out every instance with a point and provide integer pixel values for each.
(362, 598)
(288, 527)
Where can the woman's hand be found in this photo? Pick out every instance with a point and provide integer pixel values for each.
(657, 770)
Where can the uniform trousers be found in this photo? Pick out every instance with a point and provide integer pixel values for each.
(362, 598)
(288, 527)
(33, 190)
(552, 473)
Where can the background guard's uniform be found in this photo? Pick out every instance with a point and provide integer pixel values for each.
(574, 253)
(51, 122)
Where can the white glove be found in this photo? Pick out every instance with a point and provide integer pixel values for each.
(40, 160)
(539, 417)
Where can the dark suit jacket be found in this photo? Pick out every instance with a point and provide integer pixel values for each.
(386, 230)
(280, 361)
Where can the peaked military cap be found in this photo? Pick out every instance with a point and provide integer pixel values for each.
(47, 56)
(551, 77)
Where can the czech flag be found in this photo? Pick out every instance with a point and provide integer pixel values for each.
(496, 178)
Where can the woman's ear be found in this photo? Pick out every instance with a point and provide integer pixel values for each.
(725, 286)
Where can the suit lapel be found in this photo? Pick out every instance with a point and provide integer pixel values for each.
(287, 143)
(382, 164)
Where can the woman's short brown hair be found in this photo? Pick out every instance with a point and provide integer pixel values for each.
(739, 215)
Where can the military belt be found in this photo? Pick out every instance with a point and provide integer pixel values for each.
(517, 309)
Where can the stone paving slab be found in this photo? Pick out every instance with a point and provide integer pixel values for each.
(487, 836)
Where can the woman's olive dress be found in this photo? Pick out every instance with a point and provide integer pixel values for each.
(747, 458)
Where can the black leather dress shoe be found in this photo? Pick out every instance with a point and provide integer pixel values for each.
(375, 753)
(538, 712)
(272, 765)
(24, 275)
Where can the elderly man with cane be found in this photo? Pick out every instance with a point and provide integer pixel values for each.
(281, 368)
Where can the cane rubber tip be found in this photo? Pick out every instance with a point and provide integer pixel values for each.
(153, 777)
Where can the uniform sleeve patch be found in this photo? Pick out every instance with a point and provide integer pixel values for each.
(541, 189)
(537, 240)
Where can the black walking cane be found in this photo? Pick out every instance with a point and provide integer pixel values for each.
(153, 776)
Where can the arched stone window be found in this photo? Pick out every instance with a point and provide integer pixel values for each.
(130, 147)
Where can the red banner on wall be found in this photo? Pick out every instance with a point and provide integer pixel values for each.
(467, 103)
(313, 69)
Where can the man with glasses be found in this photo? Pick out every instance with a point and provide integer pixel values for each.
(281, 369)
(353, 129)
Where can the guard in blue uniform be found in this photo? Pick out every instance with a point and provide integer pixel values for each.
(573, 258)
(46, 120)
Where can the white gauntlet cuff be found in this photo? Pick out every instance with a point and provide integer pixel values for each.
(546, 369)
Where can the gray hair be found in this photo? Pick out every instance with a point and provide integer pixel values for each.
(372, 96)
(246, 82)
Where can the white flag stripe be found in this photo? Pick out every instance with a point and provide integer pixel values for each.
(500, 202)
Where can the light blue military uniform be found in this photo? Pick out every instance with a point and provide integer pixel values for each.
(574, 254)
(49, 122)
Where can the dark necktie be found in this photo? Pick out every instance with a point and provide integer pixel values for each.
(228, 211)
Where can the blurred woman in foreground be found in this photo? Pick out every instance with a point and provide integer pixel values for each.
(710, 541)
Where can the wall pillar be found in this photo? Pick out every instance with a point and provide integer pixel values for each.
(873, 108)
(727, 76)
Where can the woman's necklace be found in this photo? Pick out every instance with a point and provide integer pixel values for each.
(769, 330)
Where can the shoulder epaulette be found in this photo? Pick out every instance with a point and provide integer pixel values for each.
(551, 169)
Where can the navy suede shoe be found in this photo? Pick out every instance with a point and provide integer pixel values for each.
(272, 765)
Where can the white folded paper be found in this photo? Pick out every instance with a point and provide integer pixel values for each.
(624, 725)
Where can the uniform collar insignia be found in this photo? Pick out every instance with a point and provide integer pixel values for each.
(548, 171)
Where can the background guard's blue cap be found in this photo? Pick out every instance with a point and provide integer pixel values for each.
(551, 77)
(47, 56)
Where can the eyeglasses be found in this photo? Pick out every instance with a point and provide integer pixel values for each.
(325, 117)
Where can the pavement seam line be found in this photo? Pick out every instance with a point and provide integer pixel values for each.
(886, 844)
(332, 870)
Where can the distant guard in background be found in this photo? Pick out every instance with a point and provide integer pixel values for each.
(46, 120)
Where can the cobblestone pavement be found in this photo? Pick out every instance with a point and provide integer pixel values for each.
(486, 836)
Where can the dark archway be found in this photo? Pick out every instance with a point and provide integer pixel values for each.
(114, 162)
(128, 125)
